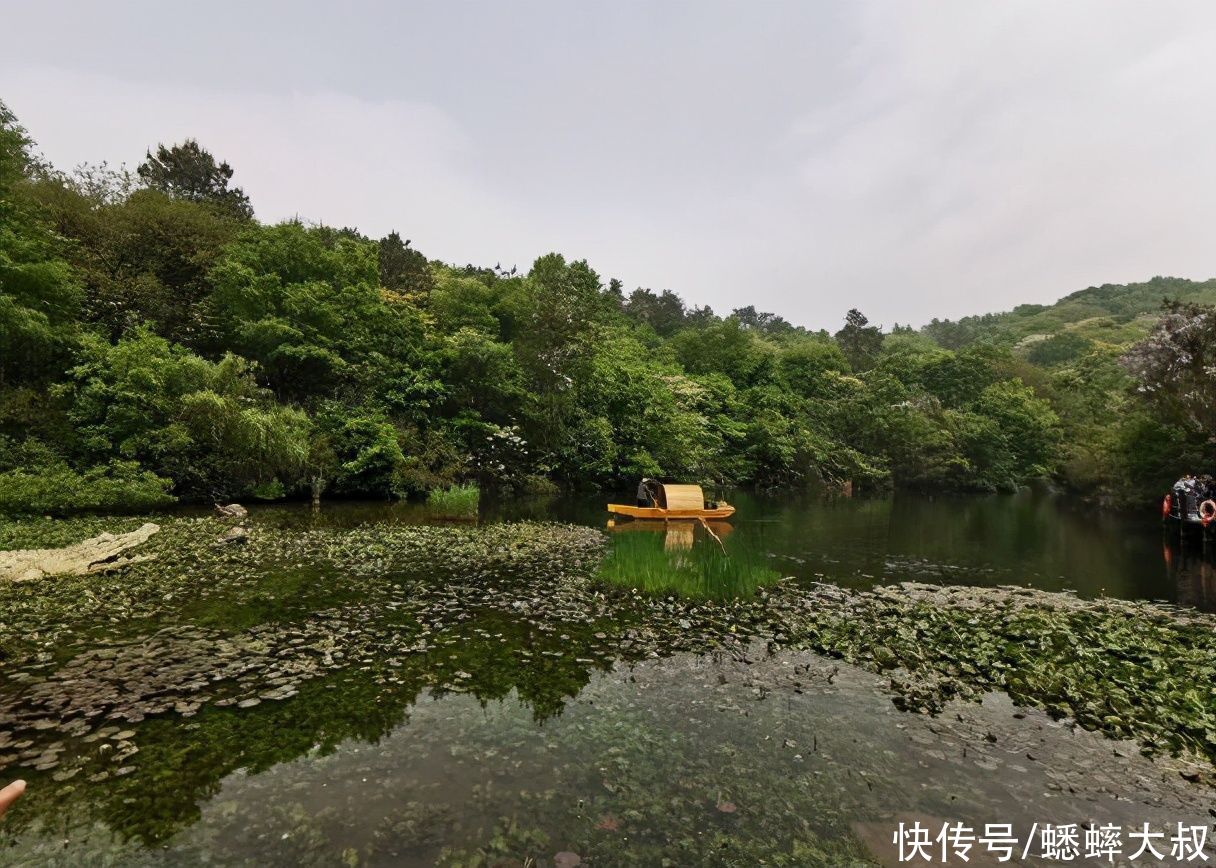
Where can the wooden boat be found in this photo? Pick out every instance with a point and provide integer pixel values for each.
(676, 502)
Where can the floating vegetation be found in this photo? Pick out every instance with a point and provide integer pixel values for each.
(132, 694)
(455, 501)
(1128, 669)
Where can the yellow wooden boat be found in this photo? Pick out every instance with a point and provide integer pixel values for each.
(676, 502)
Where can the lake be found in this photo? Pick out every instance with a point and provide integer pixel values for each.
(1032, 538)
(351, 689)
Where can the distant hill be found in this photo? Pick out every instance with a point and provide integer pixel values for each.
(1112, 314)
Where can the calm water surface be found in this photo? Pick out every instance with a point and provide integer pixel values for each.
(502, 745)
(1032, 538)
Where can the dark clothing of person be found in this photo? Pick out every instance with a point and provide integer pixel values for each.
(644, 496)
(648, 493)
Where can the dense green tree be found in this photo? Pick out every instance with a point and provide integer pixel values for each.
(726, 347)
(663, 312)
(652, 419)
(188, 171)
(305, 303)
(142, 258)
(804, 366)
(206, 425)
(554, 313)
(367, 453)
(859, 341)
(1058, 349)
(39, 294)
(482, 375)
(459, 302)
(768, 323)
(156, 340)
(35, 478)
(402, 268)
(958, 379)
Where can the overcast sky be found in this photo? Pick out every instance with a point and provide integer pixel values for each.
(911, 159)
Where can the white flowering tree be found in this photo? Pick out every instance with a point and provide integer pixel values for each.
(1174, 368)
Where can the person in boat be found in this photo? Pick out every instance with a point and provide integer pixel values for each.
(645, 492)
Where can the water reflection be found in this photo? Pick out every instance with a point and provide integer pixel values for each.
(1031, 538)
(676, 534)
(381, 671)
(694, 559)
(1190, 565)
(691, 760)
(420, 733)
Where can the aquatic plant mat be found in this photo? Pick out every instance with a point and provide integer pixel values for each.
(399, 695)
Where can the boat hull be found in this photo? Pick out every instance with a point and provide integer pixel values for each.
(654, 513)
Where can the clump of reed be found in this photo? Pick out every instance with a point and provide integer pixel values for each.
(700, 571)
(455, 501)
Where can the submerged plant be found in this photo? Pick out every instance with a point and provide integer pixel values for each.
(659, 564)
(131, 697)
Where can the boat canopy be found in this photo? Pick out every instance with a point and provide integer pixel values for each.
(683, 497)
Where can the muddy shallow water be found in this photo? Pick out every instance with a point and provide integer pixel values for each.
(349, 689)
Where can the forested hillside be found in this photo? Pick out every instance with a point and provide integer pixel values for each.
(1113, 313)
(157, 342)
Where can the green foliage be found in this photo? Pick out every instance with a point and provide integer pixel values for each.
(33, 479)
(142, 257)
(806, 366)
(858, 340)
(206, 425)
(1059, 349)
(455, 501)
(726, 347)
(664, 312)
(305, 303)
(231, 357)
(188, 171)
(403, 269)
(675, 561)
(39, 294)
(460, 302)
(366, 451)
(1110, 313)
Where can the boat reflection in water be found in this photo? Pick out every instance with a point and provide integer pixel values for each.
(690, 558)
(677, 535)
(1191, 569)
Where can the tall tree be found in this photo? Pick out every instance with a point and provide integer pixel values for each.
(39, 296)
(762, 321)
(664, 312)
(859, 341)
(402, 268)
(1175, 367)
(188, 171)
